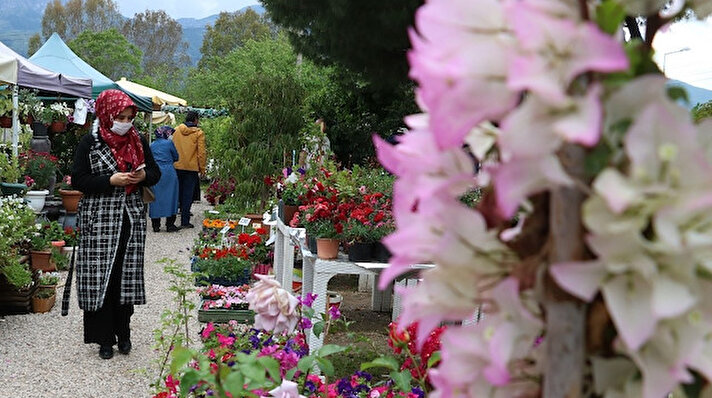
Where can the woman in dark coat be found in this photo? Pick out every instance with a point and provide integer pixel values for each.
(111, 165)
(166, 191)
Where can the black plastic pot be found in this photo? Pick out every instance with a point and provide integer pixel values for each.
(381, 252)
(361, 251)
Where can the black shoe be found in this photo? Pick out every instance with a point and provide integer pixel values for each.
(124, 347)
(156, 229)
(172, 228)
(189, 225)
(106, 351)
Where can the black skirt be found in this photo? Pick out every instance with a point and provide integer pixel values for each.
(111, 321)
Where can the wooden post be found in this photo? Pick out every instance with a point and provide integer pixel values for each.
(565, 315)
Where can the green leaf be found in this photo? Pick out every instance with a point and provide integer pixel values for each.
(272, 366)
(609, 16)
(676, 93)
(305, 364)
(389, 363)
(189, 379)
(329, 349)
(317, 328)
(326, 366)
(290, 373)
(234, 383)
(402, 379)
(253, 371)
(181, 356)
(434, 359)
(597, 159)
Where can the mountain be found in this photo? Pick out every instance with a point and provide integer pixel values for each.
(695, 95)
(194, 29)
(20, 19)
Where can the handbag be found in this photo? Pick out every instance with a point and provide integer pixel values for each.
(148, 195)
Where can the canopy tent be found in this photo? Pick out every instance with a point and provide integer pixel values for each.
(18, 71)
(158, 97)
(8, 69)
(55, 55)
(30, 75)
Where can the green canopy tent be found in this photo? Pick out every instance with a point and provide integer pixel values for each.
(56, 56)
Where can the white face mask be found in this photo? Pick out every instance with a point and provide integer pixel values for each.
(121, 128)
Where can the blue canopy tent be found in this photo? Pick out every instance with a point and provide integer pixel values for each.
(56, 56)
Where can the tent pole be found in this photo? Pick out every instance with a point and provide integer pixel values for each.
(15, 120)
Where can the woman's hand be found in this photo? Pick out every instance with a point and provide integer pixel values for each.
(137, 176)
(120, 179)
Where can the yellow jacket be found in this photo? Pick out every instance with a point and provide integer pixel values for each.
(190, 143)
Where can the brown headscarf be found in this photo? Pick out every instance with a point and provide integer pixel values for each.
(127, 149)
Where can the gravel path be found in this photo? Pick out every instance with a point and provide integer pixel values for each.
(43, 355)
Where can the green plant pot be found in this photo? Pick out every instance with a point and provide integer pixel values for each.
(9, 189)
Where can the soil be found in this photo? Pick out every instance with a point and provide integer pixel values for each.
(356, 308)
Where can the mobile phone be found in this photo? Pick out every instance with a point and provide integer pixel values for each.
(141, 166)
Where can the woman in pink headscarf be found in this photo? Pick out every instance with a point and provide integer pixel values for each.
(111, 165)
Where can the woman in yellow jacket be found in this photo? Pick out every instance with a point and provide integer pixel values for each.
(189, 140)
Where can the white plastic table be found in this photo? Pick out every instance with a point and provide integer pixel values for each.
(316, 273)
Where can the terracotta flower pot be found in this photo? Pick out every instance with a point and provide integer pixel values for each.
(42, 260)
(42, 305)
(58, 243)
(327, 249)
(57, 126)
(70, 199)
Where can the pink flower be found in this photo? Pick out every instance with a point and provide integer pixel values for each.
(209, 328)
(225, 341)
(288, 389)
(275, 308)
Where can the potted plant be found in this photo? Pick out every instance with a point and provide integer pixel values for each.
(229, 270)
(43, 300)
(10, 174)
(40, 251)
(70, 197)
(40, 169)
(290, 186)
(71, 237)
(59, 113)
(6, 108)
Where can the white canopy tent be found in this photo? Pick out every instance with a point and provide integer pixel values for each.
(19, 71)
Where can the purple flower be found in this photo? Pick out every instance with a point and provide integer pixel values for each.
(363, 375)
(334, 312)
(417, 391)
(306, 323)
(308, 300)
(301, 171)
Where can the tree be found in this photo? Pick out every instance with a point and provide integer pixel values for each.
(232, 30)
(367, 43)
(77, 16)
(368, 37)
(34, 44)
(159, 37)
(266, 92)
(109, 52)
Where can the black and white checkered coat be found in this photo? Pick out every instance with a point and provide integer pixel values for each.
(100, 218)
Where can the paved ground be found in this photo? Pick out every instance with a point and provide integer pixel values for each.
(43, 355)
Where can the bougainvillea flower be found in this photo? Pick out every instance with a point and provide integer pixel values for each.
(457, 85)
(553, 51)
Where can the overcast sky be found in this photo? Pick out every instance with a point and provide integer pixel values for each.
(689, 52)
(183, 9)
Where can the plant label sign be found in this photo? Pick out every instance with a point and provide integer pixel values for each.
(225, 229)
(244, 221)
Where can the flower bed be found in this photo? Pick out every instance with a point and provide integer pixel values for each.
(224, 303)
